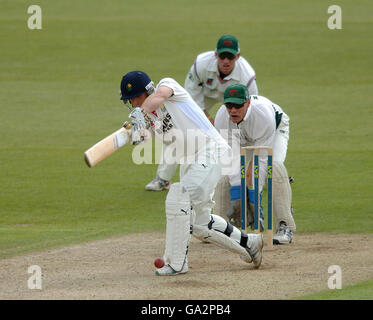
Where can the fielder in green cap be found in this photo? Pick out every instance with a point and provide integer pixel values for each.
(213, 71)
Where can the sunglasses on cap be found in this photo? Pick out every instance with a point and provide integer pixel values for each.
(230, 105)
(228, 55)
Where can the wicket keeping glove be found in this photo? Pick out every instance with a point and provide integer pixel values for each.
(234, 210)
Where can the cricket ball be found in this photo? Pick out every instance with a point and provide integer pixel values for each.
(159, 263)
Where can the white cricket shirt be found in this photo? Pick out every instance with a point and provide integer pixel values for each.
(258, 128)
(188, 117)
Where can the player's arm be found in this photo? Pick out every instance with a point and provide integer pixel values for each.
(194, 85)
(252, 86)
(209, 116)
(248, 76)
(155, 100)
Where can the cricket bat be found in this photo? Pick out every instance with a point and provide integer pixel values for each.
(107, 146)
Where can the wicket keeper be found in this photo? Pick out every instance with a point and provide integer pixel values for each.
(261, 123)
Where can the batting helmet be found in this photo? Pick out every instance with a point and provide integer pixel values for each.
(134, 84)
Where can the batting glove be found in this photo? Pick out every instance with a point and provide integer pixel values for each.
(137, 119)
(138, 129)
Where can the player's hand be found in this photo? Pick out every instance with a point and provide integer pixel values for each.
(138, 129)
(127, 125)
(137, 119)
(137, 136)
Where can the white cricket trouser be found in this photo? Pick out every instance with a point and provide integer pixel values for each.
(201, 178)
(166, 171)
(198, 181)
(167, 167)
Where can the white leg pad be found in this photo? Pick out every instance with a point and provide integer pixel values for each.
(222, 197)
(282, 196)
(215, 233)
(178, 214)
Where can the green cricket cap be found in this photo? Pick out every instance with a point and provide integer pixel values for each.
(236, 93)
(228, 43)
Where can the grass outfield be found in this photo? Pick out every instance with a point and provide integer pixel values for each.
(59, 95)
(359, 291)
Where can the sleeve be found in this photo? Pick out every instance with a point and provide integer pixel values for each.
(266, 131)
(179, 93)
(194, 86)
(222, 125)
(221, 118)
(248, 76)
(252, 86)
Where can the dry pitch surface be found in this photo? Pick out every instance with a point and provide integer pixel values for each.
(122, 268)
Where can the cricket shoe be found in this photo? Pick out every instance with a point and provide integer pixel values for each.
(168, 271)
(157, 184)
(255, 249)
(284, 235)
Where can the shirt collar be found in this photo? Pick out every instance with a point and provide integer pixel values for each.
(235, 75)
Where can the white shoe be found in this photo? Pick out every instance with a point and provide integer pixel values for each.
(168, 271)
(255, 250)
(157, 184)
(283, 236)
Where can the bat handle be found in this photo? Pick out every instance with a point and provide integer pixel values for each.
(127, 125)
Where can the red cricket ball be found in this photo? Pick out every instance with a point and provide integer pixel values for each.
(159, 263)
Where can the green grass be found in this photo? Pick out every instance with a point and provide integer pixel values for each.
(359, 291)
(59, 95)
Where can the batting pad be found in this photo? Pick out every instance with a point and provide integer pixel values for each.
(216, 234)
(282, 196)
(178, 214)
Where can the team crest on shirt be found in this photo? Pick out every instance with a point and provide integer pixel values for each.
(209, 81)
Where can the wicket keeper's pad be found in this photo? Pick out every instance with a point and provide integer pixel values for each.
(178, 214)
(282, 196)
(222, 197)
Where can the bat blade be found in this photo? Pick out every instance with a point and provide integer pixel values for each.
(106, 147)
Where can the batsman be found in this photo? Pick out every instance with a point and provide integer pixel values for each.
(258, 122)
(169, 108)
